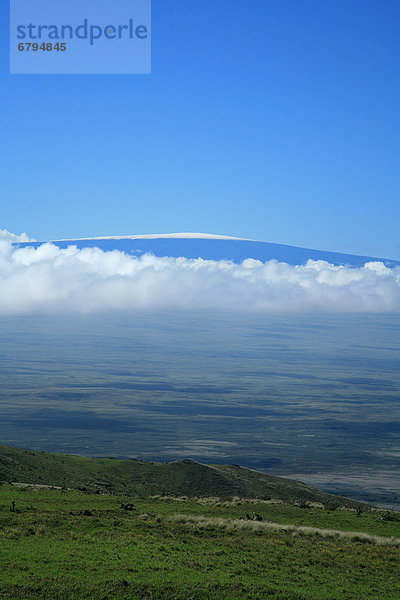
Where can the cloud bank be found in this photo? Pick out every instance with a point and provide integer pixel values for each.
(12, 237)
(51, 280)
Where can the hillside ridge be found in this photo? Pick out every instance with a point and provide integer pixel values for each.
(142, 478)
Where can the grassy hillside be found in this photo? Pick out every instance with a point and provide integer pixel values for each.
(72, 545)
(137, 477)
(184, 531)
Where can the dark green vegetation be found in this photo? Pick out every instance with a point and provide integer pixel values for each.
(72, 545)
(314, 397)
(138, 477)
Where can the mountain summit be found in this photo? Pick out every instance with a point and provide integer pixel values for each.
(213, 247)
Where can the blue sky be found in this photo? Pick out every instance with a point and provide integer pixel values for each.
(272, 120)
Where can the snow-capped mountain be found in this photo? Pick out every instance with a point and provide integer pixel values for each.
(213, 247)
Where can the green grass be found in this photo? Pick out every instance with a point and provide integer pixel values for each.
(176, 548)
(184, 477)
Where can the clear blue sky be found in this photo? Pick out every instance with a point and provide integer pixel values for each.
(274, 120)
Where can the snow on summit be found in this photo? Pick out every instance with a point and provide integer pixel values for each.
(155, 236)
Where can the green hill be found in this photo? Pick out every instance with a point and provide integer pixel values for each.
(58, 544)
(141, 478)
(130, 529)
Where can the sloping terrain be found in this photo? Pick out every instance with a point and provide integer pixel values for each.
(74, 545)
(216, 248)
(138, 477)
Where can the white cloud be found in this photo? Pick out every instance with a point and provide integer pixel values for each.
(12, 237)
(48, 279)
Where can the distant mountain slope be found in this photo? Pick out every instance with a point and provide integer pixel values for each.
(137, 477)
(208, 247)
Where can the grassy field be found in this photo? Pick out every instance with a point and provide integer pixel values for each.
(68, 544)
